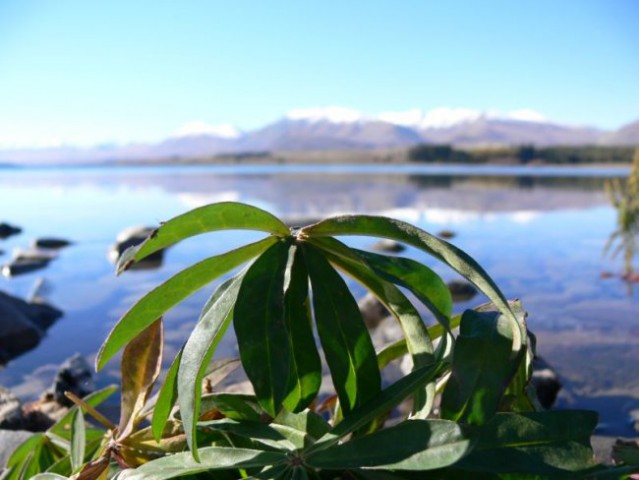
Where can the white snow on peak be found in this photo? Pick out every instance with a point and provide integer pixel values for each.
(443, 117)
(196, 128)
(526, 115)
(328, 114)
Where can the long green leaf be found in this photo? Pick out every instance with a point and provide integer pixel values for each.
(254, 431)
(412, 445)
(166, 399)
(418, 341)
(380, 404)
(306, 367)
(141, 365)
(78, 437)
(209, 218)
(49, 476)
(153, 305)
(211, 458)
(423, 282)
(23, 450)
(261, 330)
(233, 405)
(411, 235)
(347, 345)
(542, 443)
(482, 368)
(198, 350)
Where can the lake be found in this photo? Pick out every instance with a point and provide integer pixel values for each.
(539, 232)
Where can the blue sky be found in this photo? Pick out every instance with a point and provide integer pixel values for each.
(89, 72)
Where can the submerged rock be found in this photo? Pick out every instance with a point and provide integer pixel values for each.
(27, 260)
(446, 234)
(75, 376)
(51, 243)
(387, 245)
(11, 417)
(7, 230)
(131, 237)
(22, 325)
(546, 382)
(461, 291)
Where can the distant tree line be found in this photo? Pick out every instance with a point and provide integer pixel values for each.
(523, 154)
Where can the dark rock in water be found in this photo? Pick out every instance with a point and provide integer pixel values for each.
(131, 237)
(19, 267)
(27, 260)
(74, 376)
(22, 324)
(53, 243)
(7, 230)
(546, 382)
(9, 441)
(446, 234)
(461, 291)
(11, 417)
(373, 311)
(388, 246)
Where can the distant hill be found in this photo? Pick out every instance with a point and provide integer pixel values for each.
(627, 135)
(342, 129)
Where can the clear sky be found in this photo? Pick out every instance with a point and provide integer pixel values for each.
(84, 72)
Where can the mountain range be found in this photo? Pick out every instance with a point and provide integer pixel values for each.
(336, 128)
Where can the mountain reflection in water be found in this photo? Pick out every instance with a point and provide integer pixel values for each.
(540, 236)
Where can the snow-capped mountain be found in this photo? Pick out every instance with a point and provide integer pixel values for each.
(338, 128)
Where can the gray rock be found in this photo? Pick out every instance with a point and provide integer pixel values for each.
(22, 324)
(546, 382)
(131, 237)
(9, 441)
(373, 311)
(461, 291)
(7, 230)
(19, 267)
(75, 375)
(387, 245)
(52, 243)
(11, 417)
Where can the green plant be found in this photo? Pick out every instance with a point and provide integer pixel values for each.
(488, 425)
(625, 199)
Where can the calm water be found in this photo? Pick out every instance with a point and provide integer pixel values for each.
(539, 232)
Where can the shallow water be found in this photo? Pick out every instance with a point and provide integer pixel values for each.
(539, 232)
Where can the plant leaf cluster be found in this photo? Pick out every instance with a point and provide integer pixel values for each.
(293, 313)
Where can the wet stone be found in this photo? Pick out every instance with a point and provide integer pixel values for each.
(6, 230)
(461, 291)
(388, 246)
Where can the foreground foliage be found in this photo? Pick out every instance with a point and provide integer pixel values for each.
(488, 423)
